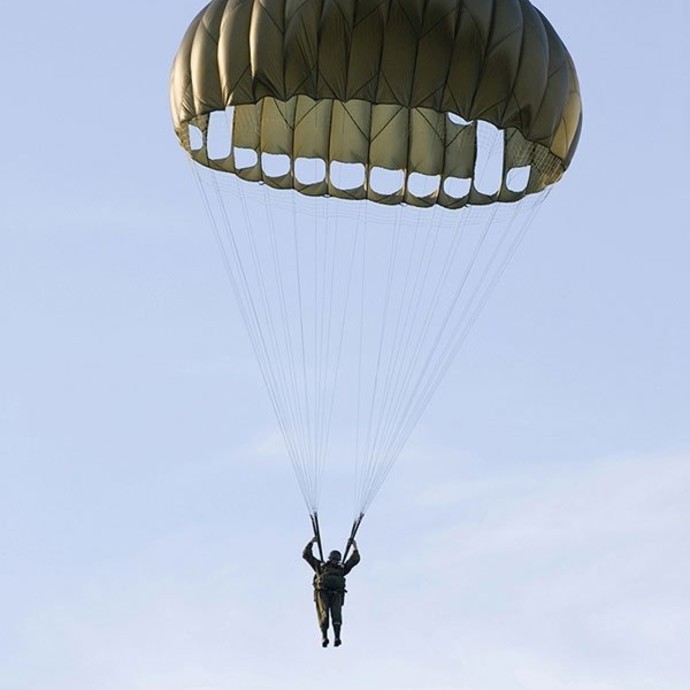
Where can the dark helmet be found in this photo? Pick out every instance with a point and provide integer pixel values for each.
(335, 556)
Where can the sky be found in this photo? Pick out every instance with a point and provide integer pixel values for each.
(535, 533)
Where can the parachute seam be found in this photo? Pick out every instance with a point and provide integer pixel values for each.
(550, 74)
(518, 70)
(319, 77)
(514, 78)
(410, 111)
(487, 44)
(441, 88)
(379, 73)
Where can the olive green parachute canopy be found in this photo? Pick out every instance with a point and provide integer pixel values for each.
(392, 84)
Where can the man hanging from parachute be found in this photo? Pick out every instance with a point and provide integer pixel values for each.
(349, 103)
(329, 578)
(329, 587)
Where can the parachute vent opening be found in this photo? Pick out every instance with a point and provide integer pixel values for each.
(488, 166)
(423, 186)
(196, 138)
(386, 181)
(457, 187)
(218, 138)
(517, 179)
(245, 158)
(310, 170)
(347, 176)
(275, 164)
(458, 120)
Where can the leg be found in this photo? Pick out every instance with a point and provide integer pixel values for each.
(321, 600)
(336, 602)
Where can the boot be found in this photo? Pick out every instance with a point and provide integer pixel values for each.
(324, 637)
(336, 630)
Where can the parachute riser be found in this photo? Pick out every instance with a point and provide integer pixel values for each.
(353, 534)
(317, 533)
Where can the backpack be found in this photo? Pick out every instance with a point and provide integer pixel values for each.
(330, 579)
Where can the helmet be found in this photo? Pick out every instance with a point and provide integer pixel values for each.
(335, 556)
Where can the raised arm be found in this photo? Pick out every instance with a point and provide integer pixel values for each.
(352, 561)
(309, 557)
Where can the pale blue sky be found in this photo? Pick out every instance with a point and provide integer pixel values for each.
(535, 533)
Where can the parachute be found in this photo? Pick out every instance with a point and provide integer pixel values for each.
(369, 168)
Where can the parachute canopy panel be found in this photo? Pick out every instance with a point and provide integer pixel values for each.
(391, 84)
